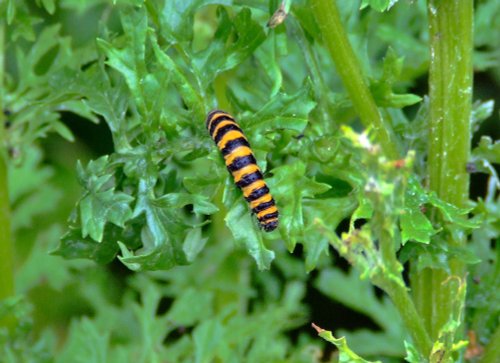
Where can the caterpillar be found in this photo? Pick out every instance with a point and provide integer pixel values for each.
(241, 163)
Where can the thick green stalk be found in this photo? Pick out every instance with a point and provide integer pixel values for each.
(347, 65)
(6, 248)
(450, 91)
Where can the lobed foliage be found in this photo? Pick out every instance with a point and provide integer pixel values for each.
(196, 278)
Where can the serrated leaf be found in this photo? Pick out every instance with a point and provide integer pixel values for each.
(412, 354)
(162, 257)
(234, 41)
(245, 232)
(283, 112)
(162, 234)
(488, 150)
(415, 226)
(177, 18)
(104, 98)
(438, 255)
(73, 245)
(200, 203)
(189, 94)
(382, 88)
(450, 212)
(367, 342)
(333, 210)
(290, 186)
(99, 208)
(62, 130)
(453, 214)
(346, 355)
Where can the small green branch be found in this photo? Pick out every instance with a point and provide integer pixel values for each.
(349, 69)
(412, 320)
(389, 280)
(450, 90)
(6, 248)
(398, 292)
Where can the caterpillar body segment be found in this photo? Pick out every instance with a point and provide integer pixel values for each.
(241, 163)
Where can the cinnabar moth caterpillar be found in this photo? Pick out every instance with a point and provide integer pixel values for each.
(241, 163)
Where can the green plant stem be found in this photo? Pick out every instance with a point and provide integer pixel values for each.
(350, 72)
(411, 318)
(450, 90)
(492, 350)
(6, 248)
(399, 294)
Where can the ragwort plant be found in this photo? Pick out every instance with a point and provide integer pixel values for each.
(363, 170)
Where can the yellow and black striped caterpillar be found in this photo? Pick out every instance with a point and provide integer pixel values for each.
(241, 163)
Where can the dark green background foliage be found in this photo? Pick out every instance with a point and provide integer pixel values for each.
(162, 260)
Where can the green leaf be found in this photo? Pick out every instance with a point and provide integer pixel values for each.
(62, 130)
(480, 112)
(458, 216)
(85, 340)
(130, 60)
(412, 355)
(162, 257)
(191, 307)
(234, 41)
(333, 210)
(268, 58)
(291, 186)
(382, 88)
(245, 232)
(101, 203)
(193, 244)
(49, 5)
(189, 94)
(379, 5)
(73, 245)
(207, 337)
(283, 112)
(177, 17)
(162, 234)
(105, 98)
(98, 208)
(453, 214)
(200, 203)
(438, 255)
(346, 355)
(488, 150)
(415, 226)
